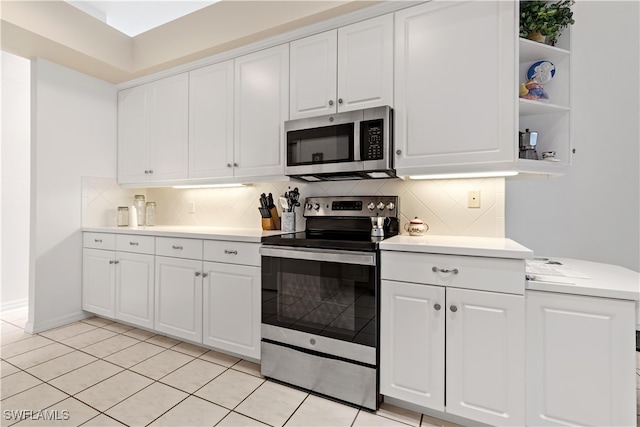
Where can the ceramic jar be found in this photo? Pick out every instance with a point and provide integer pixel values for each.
(416, 227)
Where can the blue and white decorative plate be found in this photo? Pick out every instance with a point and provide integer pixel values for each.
(541, 72)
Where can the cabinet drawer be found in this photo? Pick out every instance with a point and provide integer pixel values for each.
(99, 241)
(469, 272)
(179, 248)
(137, 244)
(232, 252)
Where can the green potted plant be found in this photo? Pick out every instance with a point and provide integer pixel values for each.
(543, 21)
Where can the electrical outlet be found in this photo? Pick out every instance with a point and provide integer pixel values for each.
(473, 199)
(192, 207)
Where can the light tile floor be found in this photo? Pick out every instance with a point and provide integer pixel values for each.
(101, 373)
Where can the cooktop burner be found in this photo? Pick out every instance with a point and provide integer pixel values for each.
(342, 223)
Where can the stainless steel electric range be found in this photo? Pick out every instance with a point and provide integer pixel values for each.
(320, 302)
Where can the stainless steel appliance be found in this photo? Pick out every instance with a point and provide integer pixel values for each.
(528, 141)
(343, 146)
(320, 302)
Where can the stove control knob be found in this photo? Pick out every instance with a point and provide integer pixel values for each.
(308, 206)
(380, 206)
(391, 206)
(371, 206)
(316, 206)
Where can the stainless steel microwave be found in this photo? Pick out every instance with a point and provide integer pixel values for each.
(343, 146)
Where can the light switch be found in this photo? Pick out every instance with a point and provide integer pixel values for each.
(473, 199)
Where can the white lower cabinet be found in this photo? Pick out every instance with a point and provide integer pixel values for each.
(580, 353)
(134, 288)
(98, 281)
(485, 356)
(478, 374)
(232, 308)
(412, 343)
(178, 297)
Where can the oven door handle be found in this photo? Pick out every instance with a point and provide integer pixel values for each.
(322, 255)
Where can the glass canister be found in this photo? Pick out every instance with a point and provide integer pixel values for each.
(123, 216)
(151, 213)
(139, 203)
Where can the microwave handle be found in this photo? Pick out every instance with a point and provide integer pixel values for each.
(357, 143)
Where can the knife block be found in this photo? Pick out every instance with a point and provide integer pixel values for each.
(272, 223)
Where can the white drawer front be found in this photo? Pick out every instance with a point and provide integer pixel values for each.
(179, 248)
(481, 273)
(232, 252)
(99, 241)
(134, 243)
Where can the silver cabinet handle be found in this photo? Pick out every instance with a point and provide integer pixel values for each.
(197, 273)
(235, 165)
(437, 307)
(331, 102)
(205, 274)
(228, 252)
(177, 247)
(444, 270)
(150, 171)
(134, 244)
(228, 165)
(97, 240)
(146, 172)
(398, 152)
(116, 262)
(453, 308)
(112, 262)
(339, 100)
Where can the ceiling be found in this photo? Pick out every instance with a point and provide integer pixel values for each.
(58, 32)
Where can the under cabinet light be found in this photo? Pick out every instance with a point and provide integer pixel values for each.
(495, 174)
(210, 186)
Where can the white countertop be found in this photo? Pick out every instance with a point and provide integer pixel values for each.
(192, 232)
(494, 247)
(588, 278)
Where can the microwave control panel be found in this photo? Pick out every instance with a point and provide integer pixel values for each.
(371, 140)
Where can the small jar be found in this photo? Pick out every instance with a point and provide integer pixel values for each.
(151, 213)
(138, 202)
(123, 216)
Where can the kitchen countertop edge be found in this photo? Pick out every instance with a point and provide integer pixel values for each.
(249, 235)
(494, 247)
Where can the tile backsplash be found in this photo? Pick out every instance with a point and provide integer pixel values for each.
(440, 203)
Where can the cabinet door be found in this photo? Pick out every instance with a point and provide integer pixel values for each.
(365, 64)
(261, 107)
(412, 327)
(211, 121)
(580, 360)
(314, 67)
(134, 288)
(98, 282)
(178, 298)
(454, 84)
(169, 128)
(133, 148)
(485, 356)
(232, 308)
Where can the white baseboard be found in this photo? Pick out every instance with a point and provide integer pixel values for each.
(41, 326)
(12, 305)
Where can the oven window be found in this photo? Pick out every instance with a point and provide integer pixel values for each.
(330, 144)
(323, 298)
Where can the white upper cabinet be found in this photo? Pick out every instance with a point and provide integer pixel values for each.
(314, 64)
(343, 70)
(261, 108)
(365, 64)
(153, 131)
(211, 121)
(455, 86)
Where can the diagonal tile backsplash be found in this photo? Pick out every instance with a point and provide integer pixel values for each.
(440, 203)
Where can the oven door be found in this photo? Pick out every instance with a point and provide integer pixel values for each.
(326, 293)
